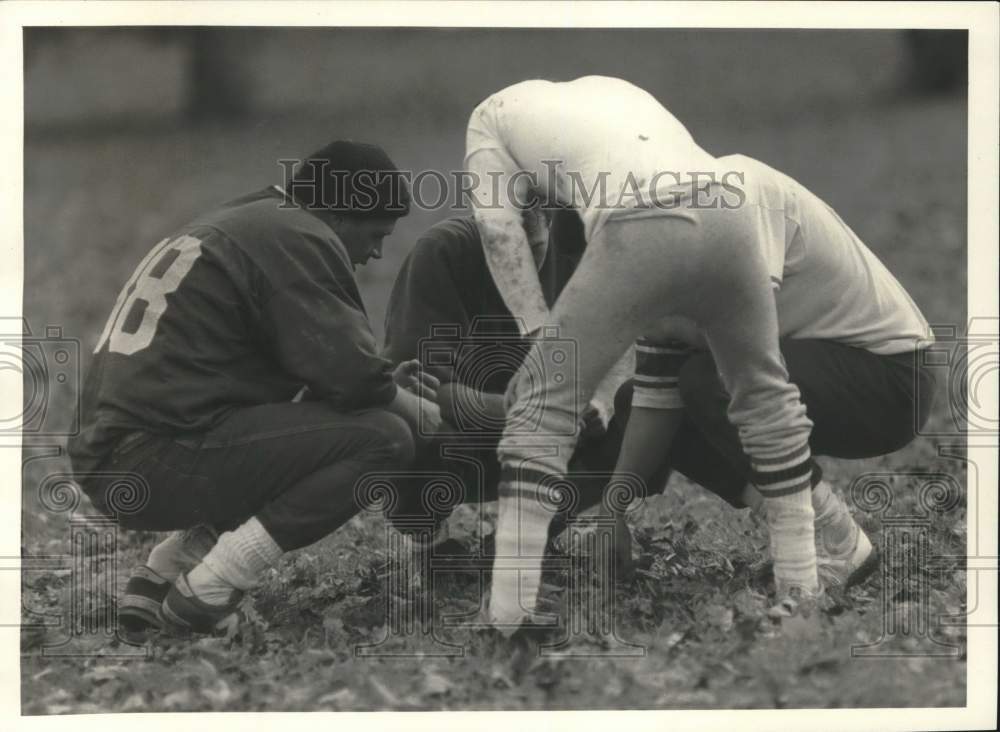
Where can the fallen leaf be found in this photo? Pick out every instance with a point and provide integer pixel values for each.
(826, 663)
(220, 693)
(133, 703)
(105, 673)
(177, 700)
(209, 666)
(340, 698)
(500, 678)
(57, 696)
(720, 617)
(673, 639)
(383, 691)
(435, 684)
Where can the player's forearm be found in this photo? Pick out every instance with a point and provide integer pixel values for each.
(512, 265)
(647, 440)
(406, 405)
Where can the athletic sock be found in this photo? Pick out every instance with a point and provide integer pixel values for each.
(521, 536)
(783, 480)
(792, 538)
(836, 529)
(237, 561)
(181, 551)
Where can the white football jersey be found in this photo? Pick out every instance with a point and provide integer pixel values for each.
(595, 143)
(829, 285)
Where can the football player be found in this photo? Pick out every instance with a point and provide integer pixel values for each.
(685, 249)
(445, 312)
(192, 383)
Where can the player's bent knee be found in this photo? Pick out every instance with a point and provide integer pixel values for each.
(395, 444)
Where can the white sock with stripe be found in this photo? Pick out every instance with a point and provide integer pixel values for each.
(237, 561)
(784, 482)
(521, 536)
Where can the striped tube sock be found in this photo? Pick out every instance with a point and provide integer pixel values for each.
(657, 366)
(521, 535)
(238, 560)
(784, 480)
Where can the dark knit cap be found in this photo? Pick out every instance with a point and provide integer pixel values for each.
(351, 178)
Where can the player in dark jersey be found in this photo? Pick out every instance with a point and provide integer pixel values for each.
(190, 392)
(446, 312)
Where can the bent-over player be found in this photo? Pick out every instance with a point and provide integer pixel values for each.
(848, 338)
(684, 247)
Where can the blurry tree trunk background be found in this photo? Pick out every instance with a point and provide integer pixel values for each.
(219, 83)
(938, 60)
(112, 76)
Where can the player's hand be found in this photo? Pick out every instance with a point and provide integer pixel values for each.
(422, 415)
(411, 376)
(430, 419)
(593, 421)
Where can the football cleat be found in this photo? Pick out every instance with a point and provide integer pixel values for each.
(849, 566)
(183, 611)
(139, 607)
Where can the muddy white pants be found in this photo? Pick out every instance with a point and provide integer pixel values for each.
(701, 264)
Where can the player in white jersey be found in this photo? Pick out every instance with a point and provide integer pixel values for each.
(848, 335)
(681, 246)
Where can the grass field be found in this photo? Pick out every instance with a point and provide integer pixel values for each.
(895, 170)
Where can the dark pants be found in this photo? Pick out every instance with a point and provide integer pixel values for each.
(861, 404)
(292, 465)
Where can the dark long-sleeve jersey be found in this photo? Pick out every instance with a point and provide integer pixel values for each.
(446, 310)
(243, 306)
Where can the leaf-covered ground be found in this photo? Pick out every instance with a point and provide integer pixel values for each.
(693, 612)
(894, 170)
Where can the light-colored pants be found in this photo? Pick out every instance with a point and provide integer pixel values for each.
(699, 264)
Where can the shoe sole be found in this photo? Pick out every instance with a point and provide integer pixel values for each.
(139, 606)
(174, 627)
(201, 619)
(137, 614)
